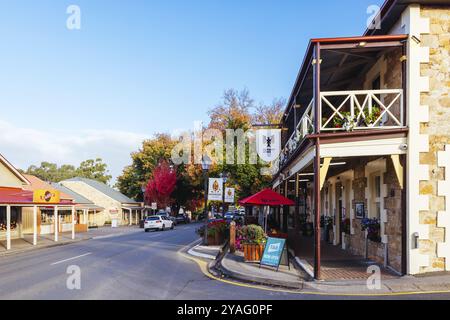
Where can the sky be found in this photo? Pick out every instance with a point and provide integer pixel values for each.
(139, 67)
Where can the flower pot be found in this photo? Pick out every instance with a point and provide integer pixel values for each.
(253, 252)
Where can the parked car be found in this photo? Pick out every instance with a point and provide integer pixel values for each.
(229, 216)
(158, 222)
(181, 218)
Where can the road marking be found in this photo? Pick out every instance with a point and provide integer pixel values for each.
(73, 258)
(204, 269)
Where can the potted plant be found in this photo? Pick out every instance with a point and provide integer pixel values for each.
(252, 240)
(347, 121)
(371, 117)
(373, 228)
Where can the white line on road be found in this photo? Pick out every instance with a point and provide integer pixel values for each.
(73, 258)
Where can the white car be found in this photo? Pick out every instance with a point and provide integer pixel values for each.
(158, 223)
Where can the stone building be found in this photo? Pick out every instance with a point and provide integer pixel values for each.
(116, 206)
(366, 140)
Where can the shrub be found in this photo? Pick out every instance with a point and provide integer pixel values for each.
(373, 229)
(251, 234)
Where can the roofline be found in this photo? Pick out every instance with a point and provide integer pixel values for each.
(14, 170)
(338, 40)
(385, 8)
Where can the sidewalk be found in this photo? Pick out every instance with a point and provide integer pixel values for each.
(234, 266)
(47, 241)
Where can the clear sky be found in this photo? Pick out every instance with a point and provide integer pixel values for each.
(138, 67)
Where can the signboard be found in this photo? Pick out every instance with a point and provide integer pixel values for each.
(229, 195)
(46, 196)
(215, 190)
(273, 252)
(154, 206)
(268, 144)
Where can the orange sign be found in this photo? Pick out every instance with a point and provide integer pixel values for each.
(46, 196)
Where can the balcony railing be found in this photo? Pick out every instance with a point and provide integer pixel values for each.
(362, 110)
(348, 111)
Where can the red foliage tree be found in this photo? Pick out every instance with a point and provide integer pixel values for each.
(161, 185)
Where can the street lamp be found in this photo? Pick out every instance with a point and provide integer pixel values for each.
(206, 164)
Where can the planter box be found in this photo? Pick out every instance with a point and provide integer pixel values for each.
(253, 252)
(216, 240)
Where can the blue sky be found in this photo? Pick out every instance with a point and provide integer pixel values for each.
(138, 67)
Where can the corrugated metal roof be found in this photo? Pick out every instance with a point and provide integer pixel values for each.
(105, 189)
(78, 198)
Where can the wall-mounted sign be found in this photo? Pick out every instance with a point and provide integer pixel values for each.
(154, 206)
(46, 196)
(229, 195)
(215, 190)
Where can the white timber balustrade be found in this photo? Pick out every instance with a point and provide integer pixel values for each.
(362, 110)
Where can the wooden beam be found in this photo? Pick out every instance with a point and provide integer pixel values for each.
(398, 169)
(324, 171)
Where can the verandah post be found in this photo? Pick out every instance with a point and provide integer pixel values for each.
(318, 120)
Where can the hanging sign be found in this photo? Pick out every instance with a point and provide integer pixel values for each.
(154, 206)
(268, 144)
(215, 190)
(229, 195)
(273, 252)
(46, 196)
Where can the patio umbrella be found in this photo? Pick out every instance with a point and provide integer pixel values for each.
(266, 197)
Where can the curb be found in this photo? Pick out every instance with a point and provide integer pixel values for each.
(252, 279)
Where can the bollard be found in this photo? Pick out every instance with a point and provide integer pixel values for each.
(232, 237)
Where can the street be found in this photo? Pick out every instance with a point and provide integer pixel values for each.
(137, 265)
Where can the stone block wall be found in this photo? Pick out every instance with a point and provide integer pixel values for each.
(438, 131)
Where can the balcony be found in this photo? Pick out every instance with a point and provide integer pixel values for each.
(347, 111)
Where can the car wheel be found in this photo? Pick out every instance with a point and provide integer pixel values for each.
(163, 228)
(172, 227)
(146, 230)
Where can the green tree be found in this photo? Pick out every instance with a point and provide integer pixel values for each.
(94, 169)
(50, 172)
(135, 176)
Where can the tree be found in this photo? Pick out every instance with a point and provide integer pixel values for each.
(144, 161)
(161, 185)
(50, 172)
(233, 112)
(269, 114)
(94, 169)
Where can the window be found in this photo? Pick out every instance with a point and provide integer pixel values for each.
(376, 196)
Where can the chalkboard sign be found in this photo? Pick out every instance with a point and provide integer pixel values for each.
(273, 252)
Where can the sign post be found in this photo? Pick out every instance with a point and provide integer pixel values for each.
(273, 253)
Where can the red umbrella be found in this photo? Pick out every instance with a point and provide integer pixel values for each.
(267, 197)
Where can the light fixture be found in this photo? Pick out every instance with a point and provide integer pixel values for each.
(303, 180)
(338, 164)
(206, 163)
(305, 174)
(362, 44)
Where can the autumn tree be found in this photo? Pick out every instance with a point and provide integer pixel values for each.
(161, 185)
(144, 161)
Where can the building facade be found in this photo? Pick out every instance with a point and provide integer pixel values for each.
(116, 205)
(366, 140)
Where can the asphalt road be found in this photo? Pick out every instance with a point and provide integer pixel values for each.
(138, 265)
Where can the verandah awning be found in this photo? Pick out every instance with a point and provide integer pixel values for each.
(266, 197)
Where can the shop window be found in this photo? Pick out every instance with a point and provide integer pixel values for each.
(15, 218)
